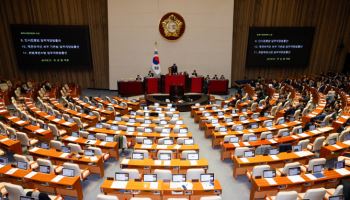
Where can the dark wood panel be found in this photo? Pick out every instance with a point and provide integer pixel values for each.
(63, 12)
(330, 18)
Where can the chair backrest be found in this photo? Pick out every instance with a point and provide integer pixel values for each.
(239, 151)
(14, 191)
(279, 120)
(266, 122)
(185, 152)
(315, 194)
(273, 110)
(296, 129)
(56, 144)
(133, 173)
(287, 195)
(161, 140)
(83, 134)
(97, 150)
(145, 152)
(54, 129)
(211, 198)
(264, 134)
(318, 143)
(304, 143)
(21, 158)
(227, 137)
(139, 139)
(46, 162)
(289, 165)
(246, 136)
(331, 137)
(73, 166)
(281, 131)
(262, 149)
(194, 174)
(76, 148)
(315, 161)
(101, 136)
(23, 138)
(297, 114)
(253, 107)
(343, 134)
(259, 169)
(106, 197)
(163, 174)
(338, 190)
(78, 121)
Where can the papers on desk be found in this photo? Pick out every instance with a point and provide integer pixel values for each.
(177, 185)
(64, 155)
(303, 135)
(67, 123)
(207, 185)
(303, 153)
(1, 166)
(177, 146)
(284, 125)
(91, 142)
(30, 175)
(347, 142)
(295, 179)
(245, 121)
(130, 123)
(71, 138)
(40, 130)
(311, 176)
(56, 120)
(325, 129)
(250, 130)
(144, 125)
(146, 146)
(20, 122)
(91, 128)
(246, 143)
(57, 178)
(193, 162)
(270, 128)
(4, 140)
(337, 146)
(11, 171)
(274, 157)
(34, 149)
(167, 162)
(157, 162)
(343, 171)
(223, 133)
(294, 136)
(161, 146)
(153, 185)
(271, 181)
(182, 134)
(139, 134)
(315, 131)
(235, 144)
(230, 123)
(125, 161)
(164, 134)
(245, 160)
(272, 141)
(93, 158)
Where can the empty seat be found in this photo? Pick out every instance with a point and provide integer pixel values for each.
(82, 173)
(194, 174)
(313, 194)
(257, 171)
(134, 174)
(56, 144)
(163, 174)
(285, 195)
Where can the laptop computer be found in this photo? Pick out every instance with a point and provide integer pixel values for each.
(119, 176)
(317, 171)
(269, 173)
(68, 172)
(150, 178)
(178, 178)
(337, 197)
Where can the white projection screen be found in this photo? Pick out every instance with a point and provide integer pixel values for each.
(205, 46)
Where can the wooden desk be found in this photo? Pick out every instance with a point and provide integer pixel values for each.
(133, 105)
(65, 186)
(175, 165)
(177, 149)
(138, 124)
(106, 113)
(206, 107)
(333, 151)
(93, 163)
(241, 165)
(11, 145)
(112, 148)
(120, 109)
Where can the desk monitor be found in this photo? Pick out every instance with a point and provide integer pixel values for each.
(206, 114)
(4, 160)
(233, 111)
(163, 122)
(239, 128)
(347, 137)
(269, 136)
(114, 127)
(44, 169)
(285, 133)
(183, 130)
(133, 113)
(89, 152)
(332, 141)
(147, 121)
(227, 120)
(145, 108)
(168, 142)
(150, 178)
(118, 118)
(252, 138)
(99, 125)
(33, 123)
(166, 130)
(75, 134)
(291, 119)
(255, 116)
(293, 171)
(119, 176)
(147, 141)
(285, 147)
(268, 124)
(177, 115)
(208, 177)
(137, 156)
(165, 156)
(178, 178)
(220, 113)
(71, 120)
(214, 108)
(254, 125)
(192, 156)
(130, 129)
(148, 130)
(65, 149)
(273, 151)
(337, 197)
(225, 106)
(169, 105)
(109, 138)
(339, 164)
(281, 121)
(248, 154)
(312, 127)
(317, 169)
(244, 109)
(242, 118)
(266, 114)
(161, 115)
(296, 148)
(269, 173)
(322, 124)
(13, 137)
(172, 109)
(188, 141)
(44, 145)
(179, 122)
(91, 137)
(68, 172)
(214, 121)
(156, 104)
(233, 140)
(22, 165)
(146, 114)
(26, 198)
(132, 120)
(222, 129)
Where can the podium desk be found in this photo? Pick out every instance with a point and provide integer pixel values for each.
(169, 80)
(152, 85)
(130, 88)
(218, 86)
(197, 84)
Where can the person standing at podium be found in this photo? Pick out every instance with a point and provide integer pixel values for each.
(174, 69)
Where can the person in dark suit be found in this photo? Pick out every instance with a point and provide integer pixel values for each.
(174, 69)
(194, 73)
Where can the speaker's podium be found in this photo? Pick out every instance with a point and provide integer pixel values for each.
(152, 85)
(177, 92)
(173, 80)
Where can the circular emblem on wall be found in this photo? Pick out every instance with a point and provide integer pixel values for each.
(172, 26)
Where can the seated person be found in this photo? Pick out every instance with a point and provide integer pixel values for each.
(222, 77)
(150, 74)
(138, 78)
(215, 77)
(194, 73)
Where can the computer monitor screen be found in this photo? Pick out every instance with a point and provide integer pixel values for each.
(339, 164)
(109, 138)
(133, 113)
(269, 136)
(222, 129)
(150, 177)
(146, 114)
(293, 171)
(269, 173)
(178, 122)
(249, 153)
(206, 114)
(89, 152)
(13, 137)
(239, 128)
(209, 177)
(176, 115)
(244, 109)
(99, 125)
(252, 138)
(172, 109)
(168, 142)
(268, 124)
(227, 120)
(68, 172)
(44, 169)
(118, 118)
(162, 122)
(285, 133)
(242, 118)
(137, 156)
(65, 149)
(188, 141)
(44, 145)
(147, 141)
(281, 121)
(166, 130)
(132, 120)
(233, 140)
(130, 129)
(148, 130)
(296, 148)
(225, 106)
(347, 137)
(3, 161)
(255, 116)
(233, 111)
(147, 121)
(254, 125)
(22, 165)
(183, 130)
(317, 168)
(332, 141)
(337, 197)
(192, 156)
(71, 120)
(273, 151)
(165, 156)
(121, 176)
(312, 127)
(178, 178)
(26, 198)
(161, 115)
(169, 105)
(285, 147)
(266, 114)
(114, 127)
(220, 113)
(214, 121)
(214, 108)
(91, 137)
